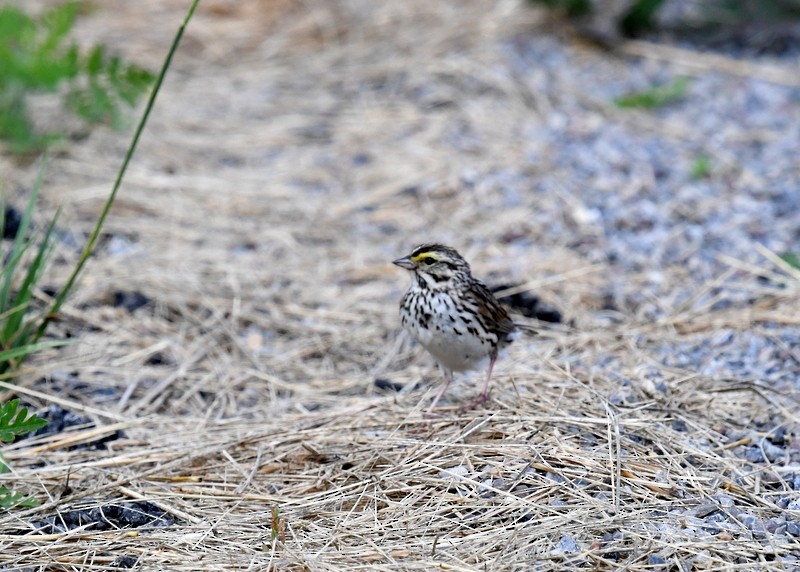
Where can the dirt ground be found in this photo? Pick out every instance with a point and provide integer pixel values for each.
(296, 149)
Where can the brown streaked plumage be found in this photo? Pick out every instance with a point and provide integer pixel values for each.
(452, 314)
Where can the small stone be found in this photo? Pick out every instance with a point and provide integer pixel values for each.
(566, 545)
(11, 222)
(130, 301)
(679, 425)
(360, 159)
(748, 520)
(705, 510)
(387, 384)
(454, 473)
(724, 500)
(125, 561)
(754, 455)
(772, 452)
(793, 528)
(702, 560)
(754, 524)
(772, 525)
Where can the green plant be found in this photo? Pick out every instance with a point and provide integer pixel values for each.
(35, 57)
(655, 97)
(701, 167)
(791, 259)
(20, 336)
(10, 499)
(87, 250)
(635, 17)
(277, 526)
(24, 262)
(14, 422)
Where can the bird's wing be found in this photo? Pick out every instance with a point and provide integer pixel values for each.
(494, 315)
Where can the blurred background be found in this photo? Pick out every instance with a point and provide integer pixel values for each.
(631, 166)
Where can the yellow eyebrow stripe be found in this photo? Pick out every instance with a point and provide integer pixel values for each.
(423, 255)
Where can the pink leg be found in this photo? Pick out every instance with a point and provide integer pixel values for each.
(448, 377)
(484, 394)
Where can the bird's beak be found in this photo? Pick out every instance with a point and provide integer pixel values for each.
(406, 263)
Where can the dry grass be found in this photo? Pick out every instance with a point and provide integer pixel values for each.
(264, 249)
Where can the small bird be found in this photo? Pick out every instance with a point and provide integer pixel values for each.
(453, 315)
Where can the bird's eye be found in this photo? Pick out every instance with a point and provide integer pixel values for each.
(428, 260)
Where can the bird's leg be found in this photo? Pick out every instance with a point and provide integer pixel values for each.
(448, 377)
(484, 394)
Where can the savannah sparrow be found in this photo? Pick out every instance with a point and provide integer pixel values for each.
(453, 315)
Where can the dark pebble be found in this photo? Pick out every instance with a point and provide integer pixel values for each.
(51, 291)
(387, 384)
(754, 455)
(716, 518)
(547, 313)
(158, 358)
(59, 420)
(705, 510)
(125, 561)
(609, 304)
(720, 305)
(656, 560)
(135, 514)
(11, 223)
(360, 159)
(679, 425)
(779, 436)
(110, 392)
(131, 301)
(793, 528)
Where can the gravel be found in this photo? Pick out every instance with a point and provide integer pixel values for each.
(636, 200)
(638, 203)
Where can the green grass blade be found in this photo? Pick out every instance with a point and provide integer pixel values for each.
(90, 244)
(11, 311)
(655, 97)
(27, 349)
(12, 328)
(20, 242)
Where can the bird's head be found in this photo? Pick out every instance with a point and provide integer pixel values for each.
(436, 264)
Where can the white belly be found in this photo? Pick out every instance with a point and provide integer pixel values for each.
(438, 334)
(456, 353)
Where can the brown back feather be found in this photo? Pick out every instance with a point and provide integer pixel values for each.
(491, 309)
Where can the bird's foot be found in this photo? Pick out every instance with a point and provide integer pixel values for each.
(479, 400)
